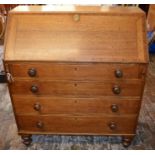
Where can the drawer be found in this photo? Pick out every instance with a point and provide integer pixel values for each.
(78, 88)
(80, 71)
(58, 124)
(62, 105)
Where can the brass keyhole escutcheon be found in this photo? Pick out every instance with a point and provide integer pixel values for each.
(40, 124)
(76, 17)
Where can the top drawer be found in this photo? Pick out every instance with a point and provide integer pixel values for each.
(77, 71)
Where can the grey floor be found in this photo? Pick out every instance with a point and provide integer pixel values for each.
(144, 139)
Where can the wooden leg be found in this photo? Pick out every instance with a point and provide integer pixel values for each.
(126, 140)
(27, 139)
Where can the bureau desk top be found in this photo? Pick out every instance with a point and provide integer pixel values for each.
(77, 9)
(76, 34)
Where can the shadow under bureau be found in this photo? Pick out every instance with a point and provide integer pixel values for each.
(76, 70)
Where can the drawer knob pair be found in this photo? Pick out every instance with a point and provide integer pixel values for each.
(116, 89)
(32, 72)
(118, 73)
(112, 125)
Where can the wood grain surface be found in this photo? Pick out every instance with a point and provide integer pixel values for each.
(77, 71)
(77, 124)
(78, 88)
(93, 38)
(73, 105)
(75, 54)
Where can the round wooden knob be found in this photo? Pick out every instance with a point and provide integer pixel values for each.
(118, 73)
(116, 89)
(112, 125)
(76, 17)
(37, 106)
(32, 72)
(34, 89)
(40, 124)
(114, 108)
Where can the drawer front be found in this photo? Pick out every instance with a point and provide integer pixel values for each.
(81, 71)
(61, 105)
(107, 88)
(77, 124)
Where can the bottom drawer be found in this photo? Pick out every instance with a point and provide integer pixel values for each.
(67, 124)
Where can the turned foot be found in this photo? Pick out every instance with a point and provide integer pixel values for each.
(26, 139)
(126, 141)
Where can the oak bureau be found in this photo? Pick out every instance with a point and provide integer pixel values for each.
(76, 70)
